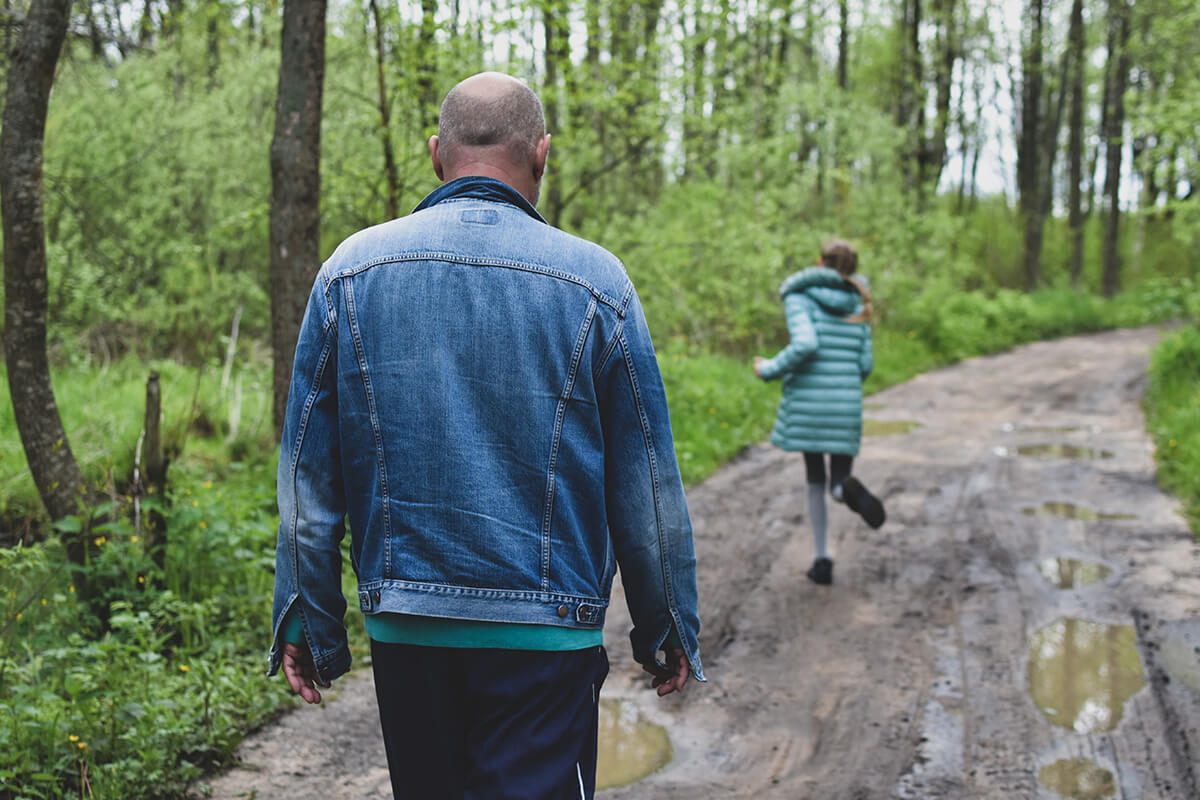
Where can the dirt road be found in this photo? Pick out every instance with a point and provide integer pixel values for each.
(962, 651)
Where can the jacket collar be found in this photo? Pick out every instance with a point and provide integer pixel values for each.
(480, 188)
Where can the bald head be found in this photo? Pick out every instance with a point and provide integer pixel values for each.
(490, 117)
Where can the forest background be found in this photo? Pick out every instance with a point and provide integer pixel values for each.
(1010, 170)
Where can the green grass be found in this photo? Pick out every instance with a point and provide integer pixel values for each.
(1173, 417)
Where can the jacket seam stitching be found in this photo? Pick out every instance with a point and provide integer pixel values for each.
(651, 457)
(373, 415)
(559, 417)
(297, 448)
(465, 260)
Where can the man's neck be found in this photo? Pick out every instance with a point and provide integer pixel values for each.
(523, 183)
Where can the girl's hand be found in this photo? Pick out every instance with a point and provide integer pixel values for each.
(758, 362)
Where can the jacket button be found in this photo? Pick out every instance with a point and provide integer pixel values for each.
(562, 611)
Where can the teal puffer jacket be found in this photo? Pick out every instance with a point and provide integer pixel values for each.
(823, 367)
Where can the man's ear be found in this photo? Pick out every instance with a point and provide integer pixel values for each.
(436, 158)
(539, 157)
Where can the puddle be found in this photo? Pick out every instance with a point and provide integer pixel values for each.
(875, 427)
(1072, 511)
(1181, 657)
(1071, 573)
(1062, 451)
(1077, 779)
(630, 748)
(1081, 673)
(1009, 427)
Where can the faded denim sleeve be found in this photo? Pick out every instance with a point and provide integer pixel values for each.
(644, 499)
(803, 339)
(312, 505)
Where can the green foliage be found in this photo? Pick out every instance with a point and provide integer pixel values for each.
(1173, 413)
(163, 686)
(206, 419)
(718, 406)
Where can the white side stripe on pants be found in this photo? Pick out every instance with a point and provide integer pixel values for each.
(579, 772)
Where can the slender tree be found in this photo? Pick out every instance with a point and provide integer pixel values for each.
(1029, 144)
(295, 184)
(1119, 14)
(31, 75)
(391, 181)
(1075, 39)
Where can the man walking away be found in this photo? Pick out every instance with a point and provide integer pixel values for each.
(477, 393)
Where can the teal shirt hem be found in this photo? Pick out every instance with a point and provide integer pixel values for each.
(442, 632)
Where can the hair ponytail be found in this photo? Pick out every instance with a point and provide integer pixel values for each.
(865, 314)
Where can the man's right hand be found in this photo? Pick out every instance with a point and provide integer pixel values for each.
(673, 677)
(301, 672)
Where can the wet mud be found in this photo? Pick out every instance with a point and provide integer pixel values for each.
(912, 676)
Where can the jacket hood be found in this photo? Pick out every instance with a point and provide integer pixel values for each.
(825, 287)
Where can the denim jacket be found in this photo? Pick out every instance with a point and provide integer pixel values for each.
(475, 392)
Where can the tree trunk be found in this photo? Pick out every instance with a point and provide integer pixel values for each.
(213, 36)
(556, 29)
(31, 75)
(1075, 142)
(933, 152)
(392, 183)
(427, 67)
(1029, 171)
(843, 42)
(1113, 148)
(295, 184)
(156, 471)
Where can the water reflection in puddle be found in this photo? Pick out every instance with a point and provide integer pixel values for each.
(1071, 573)
(1072, 511)
(1077, 779)
(630, 748)
(875, 427)
(1181, 657)
(1081, 673)
(1062, 451)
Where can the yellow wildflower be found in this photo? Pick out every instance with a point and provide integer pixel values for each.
(73, 738)
(141, 579)
(207, 484)
(43, 601)
(72, 590)
(133, 538)
(203, 524)
(184, 667)
(82, 745)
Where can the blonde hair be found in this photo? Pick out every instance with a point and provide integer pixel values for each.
(840, 255)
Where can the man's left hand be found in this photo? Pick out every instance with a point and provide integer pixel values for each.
(673, 677)
(301, 672)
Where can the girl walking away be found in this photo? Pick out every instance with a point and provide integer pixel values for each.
(828, 310)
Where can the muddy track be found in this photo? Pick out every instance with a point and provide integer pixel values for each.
(911, 676)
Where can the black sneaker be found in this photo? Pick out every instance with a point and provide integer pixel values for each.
(867, 505)
(821, 571)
